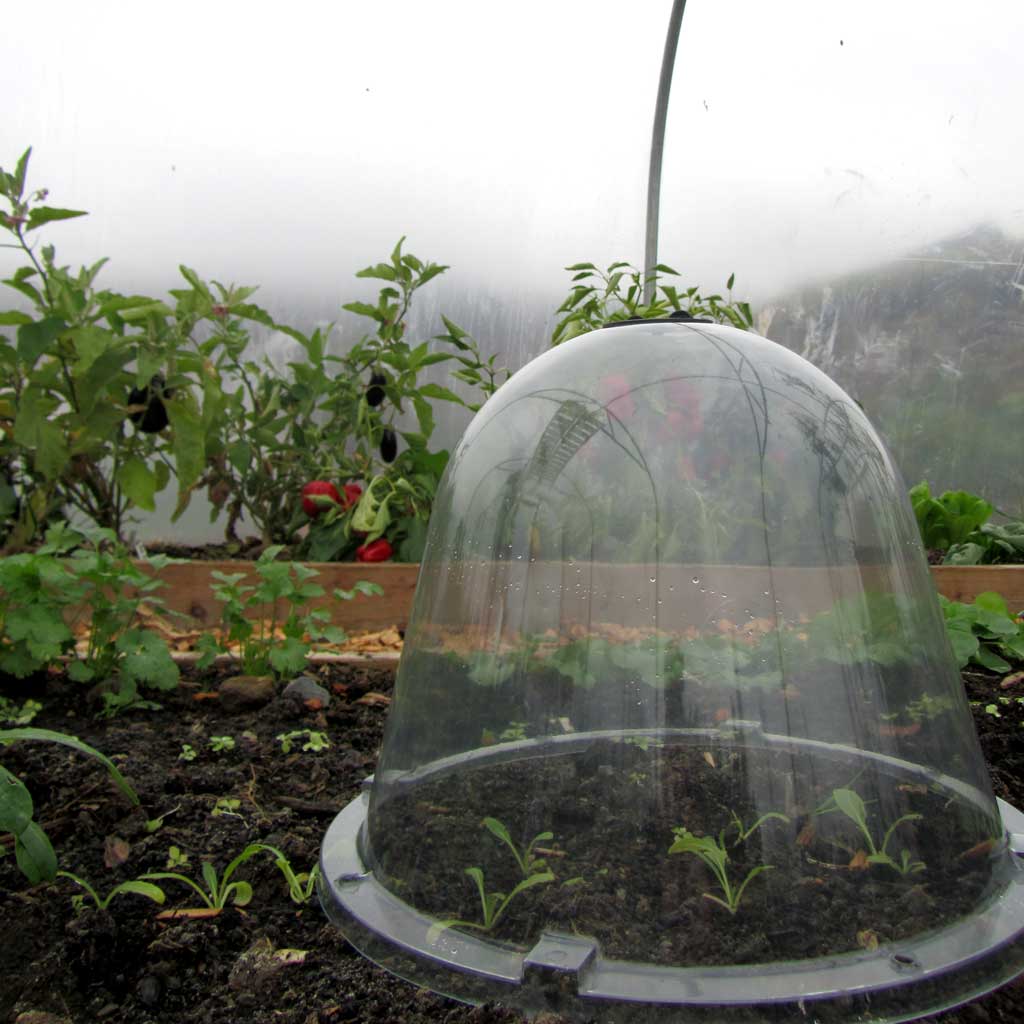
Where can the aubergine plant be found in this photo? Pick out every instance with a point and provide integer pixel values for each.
(103, 396)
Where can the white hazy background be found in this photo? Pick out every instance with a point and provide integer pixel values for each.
(290, 145)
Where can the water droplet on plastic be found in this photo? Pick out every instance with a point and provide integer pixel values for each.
(654, 579)
(696, 580)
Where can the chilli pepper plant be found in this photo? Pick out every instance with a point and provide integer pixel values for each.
(105, 399)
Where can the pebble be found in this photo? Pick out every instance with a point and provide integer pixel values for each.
(244, 693)
(149, 990)
(304, 688)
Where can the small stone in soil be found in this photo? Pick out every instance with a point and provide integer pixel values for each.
(243, 693)
(149, 990)
(304, 688)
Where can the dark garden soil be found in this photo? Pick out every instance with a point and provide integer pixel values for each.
(125, 964)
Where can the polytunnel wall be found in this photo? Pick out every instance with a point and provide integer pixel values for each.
(851, 164)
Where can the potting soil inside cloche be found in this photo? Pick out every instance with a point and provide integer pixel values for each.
(677, 704)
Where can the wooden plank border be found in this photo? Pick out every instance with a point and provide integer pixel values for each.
(188, 589)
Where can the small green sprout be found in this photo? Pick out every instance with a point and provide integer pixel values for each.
(176, 858)
(188, 753)
(315, 741)
(715, 855)
(135, 886)
(218, 744)
(226, 805)
(515, 731)
(300, 885)
(850, 803)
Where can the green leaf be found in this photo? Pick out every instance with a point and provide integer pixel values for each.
(49, 736)
(36, 337)
(138, 482)
(20, 171)
(437, 391)
(288, 656)
(188, 443)
(850, 804)
(14, 317)
(987, 658)
(147, 889)
(34, 854)
(45, 214)
(15, 803)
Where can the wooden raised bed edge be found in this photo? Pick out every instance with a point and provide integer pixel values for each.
(188, 589)
(965, 582)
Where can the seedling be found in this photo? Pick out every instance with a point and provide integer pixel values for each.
(529, 865)
(853, 807)
(219, 889)
(301, 885)
(713, 853)
(315, 741)
(226, 805)
(188, 753)
(218, 744)
(492, 904)
(135, 886)
(176, 858)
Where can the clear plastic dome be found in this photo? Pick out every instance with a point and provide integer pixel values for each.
(677, 730)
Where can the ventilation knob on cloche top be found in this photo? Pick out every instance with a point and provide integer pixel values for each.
(677, 733)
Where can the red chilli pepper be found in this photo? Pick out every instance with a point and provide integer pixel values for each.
(317, 496)
(376, 551)
(353, 492)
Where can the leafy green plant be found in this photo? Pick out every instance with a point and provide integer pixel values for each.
(314, 741)
(112, 589)
(984, 632)
(252, 615)
(219, 744)
(849, 803)
(598, 297)
(957, 523)
(32, 847)
(714, 853)
(188, 753)
(949, 518)
(134, 887)
(36, 589)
